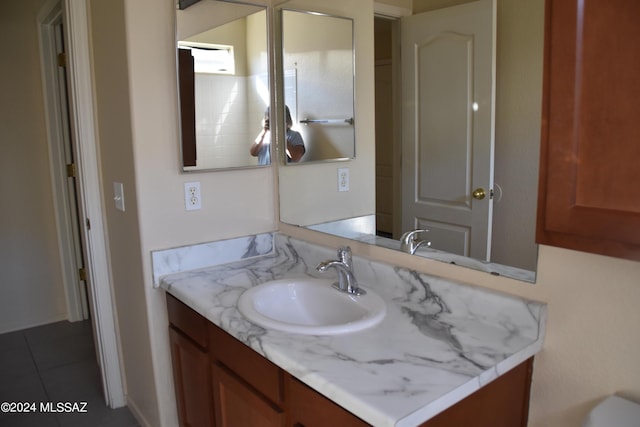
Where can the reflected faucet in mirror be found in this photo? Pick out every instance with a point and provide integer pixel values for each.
(410, 243)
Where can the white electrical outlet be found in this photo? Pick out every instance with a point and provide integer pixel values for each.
(192, 198)
(343, 179)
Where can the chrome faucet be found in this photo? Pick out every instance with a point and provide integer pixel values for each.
(409, 241)
(344, 266)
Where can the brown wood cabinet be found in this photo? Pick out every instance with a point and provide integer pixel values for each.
(221, 382)
(590, 149)
(191, 365)
(310, 409)
(238, 404)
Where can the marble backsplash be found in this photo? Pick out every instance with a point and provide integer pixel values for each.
(185, 258)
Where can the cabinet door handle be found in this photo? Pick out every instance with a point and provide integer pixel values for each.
(298, 425)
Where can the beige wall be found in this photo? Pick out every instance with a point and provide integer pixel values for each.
(234, 203)
(592, 343)
(109, 55)
(233, 34)
(31, 288)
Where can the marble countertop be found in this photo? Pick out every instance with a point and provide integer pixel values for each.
(439, 342)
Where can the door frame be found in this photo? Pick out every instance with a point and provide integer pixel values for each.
(84, 140)
(58, 138)
(395, 14)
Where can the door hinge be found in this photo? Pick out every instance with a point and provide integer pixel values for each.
(62, 59)
(82, 274)
(71, 170)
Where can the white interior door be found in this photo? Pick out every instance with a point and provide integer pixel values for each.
(448, 80)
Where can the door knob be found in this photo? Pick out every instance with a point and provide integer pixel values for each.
(479, 193)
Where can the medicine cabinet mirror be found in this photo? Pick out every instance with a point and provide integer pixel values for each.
(223, 75)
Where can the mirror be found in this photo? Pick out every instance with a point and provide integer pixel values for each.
(223, 84)
(518, 92)
(318, 84)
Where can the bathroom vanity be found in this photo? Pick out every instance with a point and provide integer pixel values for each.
(444, 354)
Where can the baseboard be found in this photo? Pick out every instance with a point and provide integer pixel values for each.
(15, 328)
(135, 411)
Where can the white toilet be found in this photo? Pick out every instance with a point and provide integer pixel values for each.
(614, 411)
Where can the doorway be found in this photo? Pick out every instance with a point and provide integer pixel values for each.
(79, 214)
(63, 166)
(387, 128)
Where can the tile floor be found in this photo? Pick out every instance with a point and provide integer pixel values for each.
(55, 363)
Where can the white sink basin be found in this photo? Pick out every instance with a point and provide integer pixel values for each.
(310, 306)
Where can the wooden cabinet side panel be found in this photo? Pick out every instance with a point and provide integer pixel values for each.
(501, 403)
(236, 404)
(192, 382)
(590, 132)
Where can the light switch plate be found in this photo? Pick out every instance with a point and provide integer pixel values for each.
(118, 195)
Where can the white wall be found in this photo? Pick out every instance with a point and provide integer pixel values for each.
(592, 344)
(224, 130)
(31, 287)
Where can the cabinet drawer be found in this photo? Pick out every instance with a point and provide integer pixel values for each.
(257, 371)
(187, 321)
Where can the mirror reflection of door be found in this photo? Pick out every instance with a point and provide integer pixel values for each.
(448, 68)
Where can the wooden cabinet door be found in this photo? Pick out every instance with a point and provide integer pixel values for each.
(308, 408)
(237, 404)
(191, 375)
(590, 148)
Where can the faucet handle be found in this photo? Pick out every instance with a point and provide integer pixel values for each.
(344, 255)
(411, 235)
